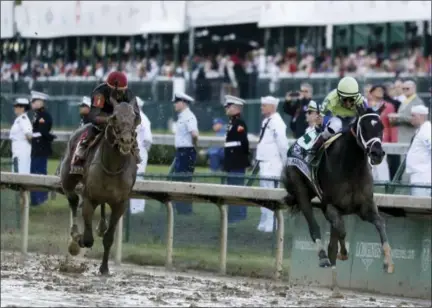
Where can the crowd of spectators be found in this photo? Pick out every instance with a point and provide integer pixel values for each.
(257, 60)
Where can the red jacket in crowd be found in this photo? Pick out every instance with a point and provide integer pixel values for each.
(390, 132)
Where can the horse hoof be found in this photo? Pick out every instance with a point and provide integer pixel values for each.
(104, 271)
(324, 262)
(389, 268)
(100, 231)
(342, 257)
(337, 293)
(74, 248)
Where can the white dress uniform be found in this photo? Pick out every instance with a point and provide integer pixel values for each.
(418, 161)
(185, 125)
(145, 140)
(21, 146)
(271, 153)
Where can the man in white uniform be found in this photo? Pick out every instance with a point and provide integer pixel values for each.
(145, 140)
(21, 135)
(418, 161)
(271, 153)
(186, 139)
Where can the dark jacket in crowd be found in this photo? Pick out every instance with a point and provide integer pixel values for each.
(42, 123)
(236, 154)
(297, 108)
(392, 101)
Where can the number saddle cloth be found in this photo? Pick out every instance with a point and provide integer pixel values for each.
(298, 153)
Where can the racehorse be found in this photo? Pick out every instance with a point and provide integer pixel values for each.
(109, 175)
(345, 185)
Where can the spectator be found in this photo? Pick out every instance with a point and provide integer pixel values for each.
(418, 161)
(398, 91)
(186, 138)
(390, 94)
(41, 142)
(381, 172)
(84, 110)
(145, 139)
(367, 92)
(295, 105)
(236, 153)
(21, 135)
(392, 159)
(402, 118)
(215, 153)
(312, 116)
(271, 153)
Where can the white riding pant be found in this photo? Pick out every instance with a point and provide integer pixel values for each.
(269, 169)
(421, 178)
(21, 157)
(138, 205)
(334, 126)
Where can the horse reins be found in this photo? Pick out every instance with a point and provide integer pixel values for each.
(367, 145)
(104, 168)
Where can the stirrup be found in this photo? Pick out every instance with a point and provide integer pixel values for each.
(79, 170)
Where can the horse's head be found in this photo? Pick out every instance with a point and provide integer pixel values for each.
(368, 129)
(120, 129)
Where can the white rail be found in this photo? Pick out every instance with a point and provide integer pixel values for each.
(165, 191)
(207, 141)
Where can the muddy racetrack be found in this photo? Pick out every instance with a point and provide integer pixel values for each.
(48, 281)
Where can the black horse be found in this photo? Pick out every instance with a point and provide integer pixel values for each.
(344, 177)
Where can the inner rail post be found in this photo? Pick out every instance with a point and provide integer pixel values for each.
(169, 235)
(223, 238)
(25, 209)
(279, 243)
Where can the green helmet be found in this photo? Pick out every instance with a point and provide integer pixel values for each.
(348, 87)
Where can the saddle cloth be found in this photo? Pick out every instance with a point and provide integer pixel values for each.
(298, 152)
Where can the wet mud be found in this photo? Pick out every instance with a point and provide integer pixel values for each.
(54, 281)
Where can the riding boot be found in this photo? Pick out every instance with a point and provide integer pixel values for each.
(315, 147)
(78, 160)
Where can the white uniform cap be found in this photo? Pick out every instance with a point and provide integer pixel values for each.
(21, 101)
(180, 96)
(229, 99)
(38, 95)
(86, 101)
(420, 109)
(140, 102)
(270, 100)
(312, 106)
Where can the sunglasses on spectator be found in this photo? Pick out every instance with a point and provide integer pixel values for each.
(304, 91)
(310, 111)
(406, 89)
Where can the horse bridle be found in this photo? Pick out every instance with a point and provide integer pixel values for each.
(367, 145)
(104, 168)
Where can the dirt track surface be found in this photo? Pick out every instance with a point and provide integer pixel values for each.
(48, 281)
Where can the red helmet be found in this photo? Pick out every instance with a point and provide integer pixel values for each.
(117, 80)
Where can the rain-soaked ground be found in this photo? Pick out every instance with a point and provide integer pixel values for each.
(47, 281)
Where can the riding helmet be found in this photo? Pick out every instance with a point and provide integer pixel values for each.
(348, 87)
(117, 80)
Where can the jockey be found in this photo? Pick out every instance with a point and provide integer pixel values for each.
(341, 105)
(115, 88)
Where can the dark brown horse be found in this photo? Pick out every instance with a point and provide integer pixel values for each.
(344, 176)
(109, 176)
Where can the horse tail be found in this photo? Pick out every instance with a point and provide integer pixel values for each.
(288, 183)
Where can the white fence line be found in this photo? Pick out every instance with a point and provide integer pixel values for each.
(165, 191)
(209, 141)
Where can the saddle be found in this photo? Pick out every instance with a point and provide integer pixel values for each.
(298, 152)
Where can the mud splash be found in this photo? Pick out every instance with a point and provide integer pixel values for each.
(47, 281)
